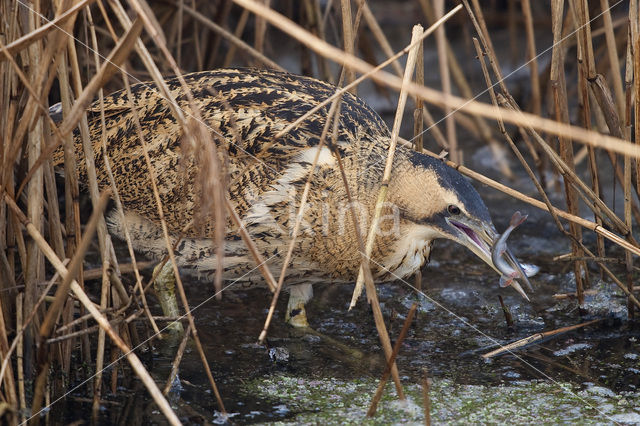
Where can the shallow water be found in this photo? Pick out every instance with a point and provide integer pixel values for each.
(590, 375)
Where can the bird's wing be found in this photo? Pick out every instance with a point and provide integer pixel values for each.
(243, 111)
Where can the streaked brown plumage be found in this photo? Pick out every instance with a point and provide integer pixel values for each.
(266, 177)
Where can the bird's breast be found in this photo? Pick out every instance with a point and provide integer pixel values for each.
(410, 251)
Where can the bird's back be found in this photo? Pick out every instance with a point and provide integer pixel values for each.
(244, 109)
(247, 107)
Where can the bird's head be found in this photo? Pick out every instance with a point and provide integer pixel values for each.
(444, 204)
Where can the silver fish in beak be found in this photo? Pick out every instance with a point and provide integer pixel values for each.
(481, 238)
(505, 262)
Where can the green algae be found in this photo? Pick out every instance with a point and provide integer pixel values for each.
(339, 401)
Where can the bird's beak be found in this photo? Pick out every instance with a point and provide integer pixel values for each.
(479, 237)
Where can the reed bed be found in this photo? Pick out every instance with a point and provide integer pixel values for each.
(581, 110)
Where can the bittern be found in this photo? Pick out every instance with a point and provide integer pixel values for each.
(265, 175)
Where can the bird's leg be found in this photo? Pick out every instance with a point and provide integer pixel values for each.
(298, 296)
(165, 287)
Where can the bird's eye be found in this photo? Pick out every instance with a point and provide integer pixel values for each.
(454, 210)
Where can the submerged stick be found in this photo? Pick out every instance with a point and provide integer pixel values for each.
(507, 314)
(536, 337)
(426, 400)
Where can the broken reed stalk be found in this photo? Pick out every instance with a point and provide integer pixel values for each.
(97, 380)
(532, 58)
(373, 229)
(586, 76)
(558, 85)
(445, 78)
(507, 314)
(634, 30)
(125, 268)
(368, 277)
(34, 267)
(392, 360)
(19, 340)
(386, 176)
(90, 330)
(71, 197)
(175, 365)
(426, 400)
(71, 185)
(348, 38)
(553, 363)
(418, 126)
(612, 52)
(136, 365)
(560, 296)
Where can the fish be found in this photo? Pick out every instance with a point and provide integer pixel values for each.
(506, 263)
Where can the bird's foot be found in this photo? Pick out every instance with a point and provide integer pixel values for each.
(297, 316)
(298, 296)
(165, 287)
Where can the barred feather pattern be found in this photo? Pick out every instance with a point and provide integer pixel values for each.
(244, 109)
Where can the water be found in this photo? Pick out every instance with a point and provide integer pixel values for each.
(589, 375)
